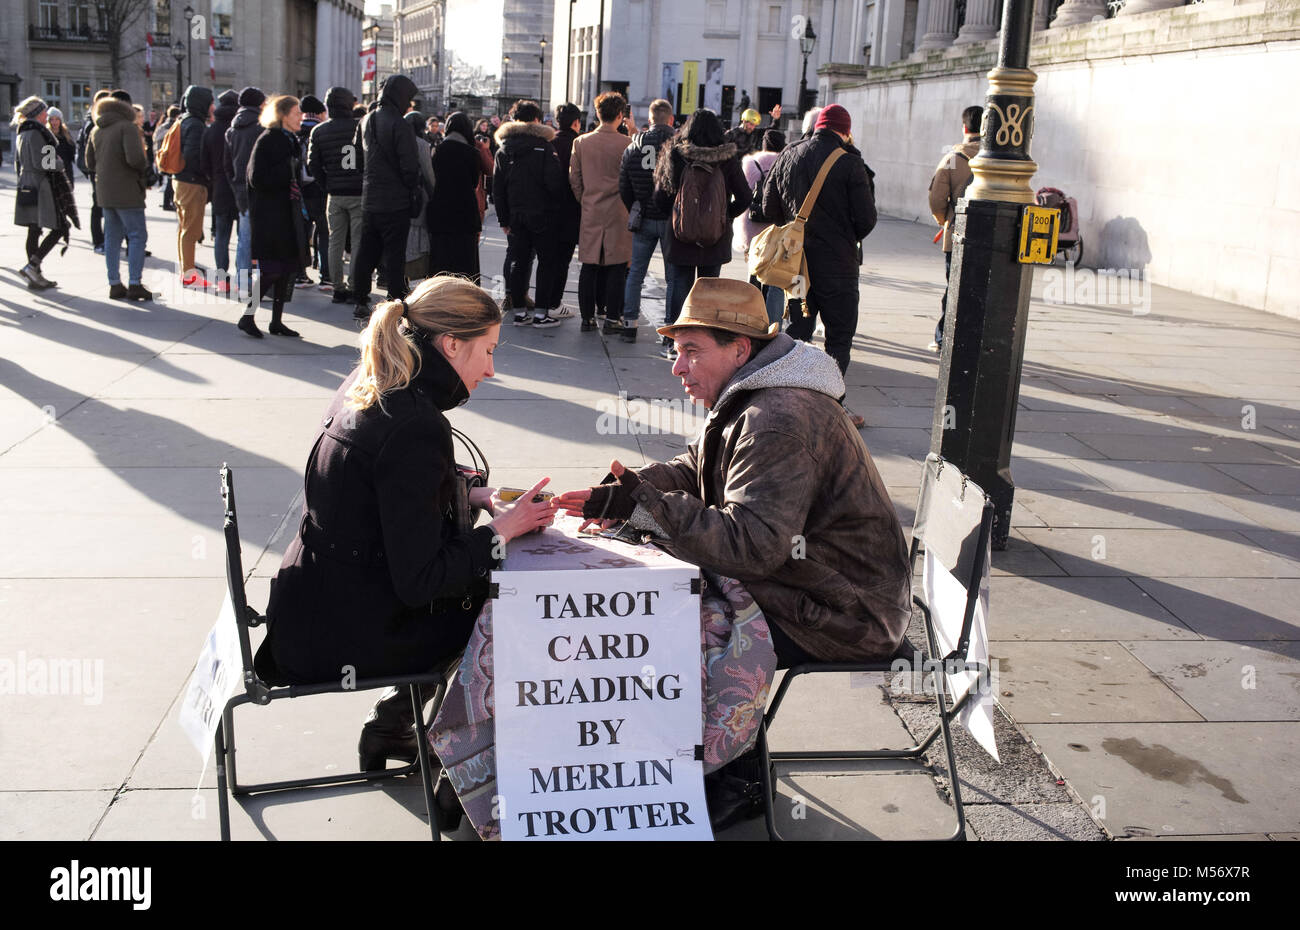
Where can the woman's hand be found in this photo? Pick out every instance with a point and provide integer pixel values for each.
(485, 499)
(521, 515)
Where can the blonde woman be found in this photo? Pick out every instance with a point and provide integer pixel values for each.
(279, 237)
(44, 199)
(380, 577)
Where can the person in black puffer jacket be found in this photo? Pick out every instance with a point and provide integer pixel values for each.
(211, 162)
(701, 140)
(191, 183)
(390, 179)
(454, 221)
(636, 184)
(243, 132)
(334, 160)
(844, 214)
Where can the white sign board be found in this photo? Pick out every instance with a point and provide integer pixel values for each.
(598, 705)
(219, 670)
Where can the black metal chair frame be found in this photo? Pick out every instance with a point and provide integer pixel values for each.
(256, 691)
(953, 663)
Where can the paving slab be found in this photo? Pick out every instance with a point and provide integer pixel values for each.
(58, 816)
(1190, 449)
(1135, 510)
(1180, 778)
(1023, 558)
(1160, 553)
(1081, 681)
(1266, 479)
(1161, 477)
(1229, 681)
(1078, 609)
(836, 711)
(233, 376)
(1231, 609)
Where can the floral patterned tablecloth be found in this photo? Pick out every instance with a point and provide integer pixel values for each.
(737, 663)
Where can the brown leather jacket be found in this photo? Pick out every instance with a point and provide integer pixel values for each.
(780, 492)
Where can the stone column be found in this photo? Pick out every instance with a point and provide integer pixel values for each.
(941, 27)
(1073, 12)
(1040, 14)
(981, 21)
(1133, 7)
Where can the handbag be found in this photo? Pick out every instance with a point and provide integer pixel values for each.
(29, 196)
(634, 217)
(776, 255)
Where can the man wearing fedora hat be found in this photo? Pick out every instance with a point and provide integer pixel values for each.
(778, 492)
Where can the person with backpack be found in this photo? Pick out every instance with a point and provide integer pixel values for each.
(528, 189)
(756, 166)
(189, 180)
(96, 212)
(159, 134)
(334, 161)
(701, 186)
(948, 185)
(842, 215)
(604, 240)
(636, 185)
(390, 193)
(240, 137)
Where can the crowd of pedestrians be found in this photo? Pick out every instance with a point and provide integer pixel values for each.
(384, 196)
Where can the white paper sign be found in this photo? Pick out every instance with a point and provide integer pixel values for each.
(947, 601)
(219, 670)
(598, 705)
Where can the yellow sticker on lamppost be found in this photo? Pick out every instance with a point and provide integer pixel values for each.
(1039, 227)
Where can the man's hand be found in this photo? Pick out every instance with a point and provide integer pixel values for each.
(776, 112)
(604, 504)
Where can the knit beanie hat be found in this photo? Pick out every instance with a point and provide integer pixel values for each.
(56, 113)
(251, 97)
(311, 104)
(31, 107)
(835, 117)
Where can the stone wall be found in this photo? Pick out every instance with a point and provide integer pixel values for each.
(1178, 132)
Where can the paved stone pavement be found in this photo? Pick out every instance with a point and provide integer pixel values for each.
(1145, 617)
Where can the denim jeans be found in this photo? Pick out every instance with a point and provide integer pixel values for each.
(644, 240)
(128, 224)
(221, 223)
(244, 252)
(680, 280)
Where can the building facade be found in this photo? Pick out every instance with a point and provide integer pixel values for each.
(377, 41)
(419, 48)
(712, 53)
(60, 49)
(526, 25)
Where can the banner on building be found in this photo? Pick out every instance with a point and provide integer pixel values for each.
(212, 57)
(713, 85)
(148, 53)
(672, 76)
(690, 86)
(369, 58)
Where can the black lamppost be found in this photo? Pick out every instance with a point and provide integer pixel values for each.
(189, 57)
(451, 85)
(806, 43)
(178, 52)
(505, 73)
(541, 81)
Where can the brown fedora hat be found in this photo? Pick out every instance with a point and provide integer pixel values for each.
(721, 303)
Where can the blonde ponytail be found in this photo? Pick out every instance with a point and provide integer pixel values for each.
(442, 304)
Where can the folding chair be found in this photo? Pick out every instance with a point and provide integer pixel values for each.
(256, 691)
(958, 535)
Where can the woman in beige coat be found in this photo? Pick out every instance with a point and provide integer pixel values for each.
(604, 242)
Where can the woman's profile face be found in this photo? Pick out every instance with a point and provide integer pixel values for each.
(471, 358)
(293, 119)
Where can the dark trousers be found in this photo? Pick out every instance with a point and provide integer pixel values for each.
(96, 216)
(383, 239)
(319, 236)
(788, 653)
(560, 276)
(525, 240)
(600, 289)
(835, 300)
(169, 196)
(38, 248)
(680, 280)
(943, 304)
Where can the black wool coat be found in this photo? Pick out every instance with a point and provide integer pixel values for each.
(277, 230)
(457, 168)
(377, 578)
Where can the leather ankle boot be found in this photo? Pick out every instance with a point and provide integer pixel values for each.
(389, 730)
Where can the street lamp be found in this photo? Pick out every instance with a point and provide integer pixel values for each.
(541, 81)
(189, 58)
(178, 52)
(806, 43)
(505, 73)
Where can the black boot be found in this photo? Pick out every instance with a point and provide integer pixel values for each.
(277, 328)
(735, 792)
(450, 811)
(389, 730)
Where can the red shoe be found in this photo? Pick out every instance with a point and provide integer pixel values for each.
(223, 287)
(196, 281)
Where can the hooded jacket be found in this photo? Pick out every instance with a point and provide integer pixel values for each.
(326, 155)
(377, 566)
(391, 168)
(845, 211)
(636, 181)
(457, 170)
(668, 177)
(780, 492)
(195, 103)
(243, 132)
(528, 186)
(116, 157)
(213, 159)
(949, 184)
